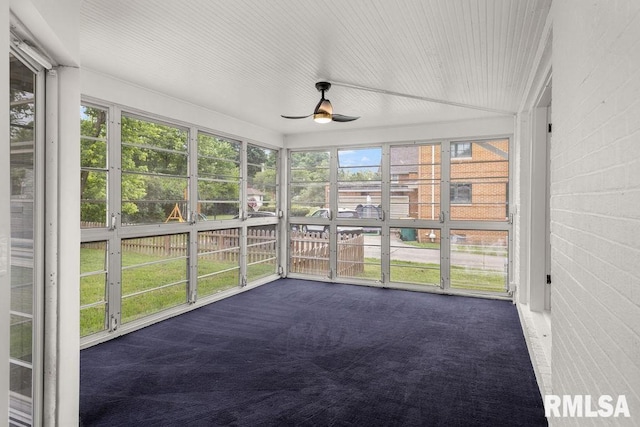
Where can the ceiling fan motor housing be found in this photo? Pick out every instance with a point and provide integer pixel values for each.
(323, 86)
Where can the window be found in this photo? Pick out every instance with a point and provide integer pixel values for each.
(487, 174)
(218, 177)
(261, 180)
(26, 204)
(154, 172)
(460, 149)
(309, 182)
(188, 185)
(415, 194)
(93, 287)
(94, 170)
(401, 231)
(460, 193)
(359, 177)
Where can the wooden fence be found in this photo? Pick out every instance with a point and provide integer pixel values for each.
(309, 252)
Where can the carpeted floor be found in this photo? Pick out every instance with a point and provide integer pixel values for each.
(302, 353)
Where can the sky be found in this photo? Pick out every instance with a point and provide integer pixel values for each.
(360, 157)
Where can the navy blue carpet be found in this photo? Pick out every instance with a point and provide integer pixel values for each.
(303, 353)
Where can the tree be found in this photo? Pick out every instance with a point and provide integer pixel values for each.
(309, 178)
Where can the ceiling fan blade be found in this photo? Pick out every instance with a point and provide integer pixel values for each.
(295, 117)
(341, 118)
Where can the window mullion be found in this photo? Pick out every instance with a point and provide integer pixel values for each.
(333, 204)
(192, 215)
(114, 218)
(445, 216)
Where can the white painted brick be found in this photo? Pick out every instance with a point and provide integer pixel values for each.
(595, 202)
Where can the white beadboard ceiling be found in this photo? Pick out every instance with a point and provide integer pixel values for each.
(256, 59)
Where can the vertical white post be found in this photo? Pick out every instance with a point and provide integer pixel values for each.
(51, 239)
(66, 357)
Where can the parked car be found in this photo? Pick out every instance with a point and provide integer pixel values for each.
(324, 213)
(260, 214)
(370, 211)
(257, 214)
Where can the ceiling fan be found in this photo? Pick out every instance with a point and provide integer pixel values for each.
(323, 113)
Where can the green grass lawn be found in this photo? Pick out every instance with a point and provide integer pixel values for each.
(150, 288)
(429, 274)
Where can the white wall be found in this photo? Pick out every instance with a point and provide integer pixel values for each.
(492, 126)
(54, 24)
(106, 88)
(595, 202)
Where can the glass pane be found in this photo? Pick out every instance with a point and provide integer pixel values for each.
(262, 252)
(262, 178)
(94, 152)
(415, 181)
(93, 173)
(359, 178)
(154, 178)
(218, 261)
(21, 331)
(308, 252)
(93, 199)
(21, 283)
(219, 172)
(154, 274)
(480, 180)
(93, 287)
(22, 172)
(358, 253)
(153, 199)
(308, 182)
(479, 260)
(152, 135)
(153, 161)
(20, 381)
(415, 256)
(218, 157)
(218, 200)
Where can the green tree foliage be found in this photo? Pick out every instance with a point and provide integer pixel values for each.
(154, 170)
(310, 175)
(363, 174)
(219, 173)
(261, 170)
(154, 164)
(93, 160)
(21, 119)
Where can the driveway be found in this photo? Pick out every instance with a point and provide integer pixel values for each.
(400, 251)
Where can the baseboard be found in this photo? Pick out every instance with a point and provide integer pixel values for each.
(536, 328)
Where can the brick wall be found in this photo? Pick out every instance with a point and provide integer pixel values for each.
(595, 202)
(485, 170)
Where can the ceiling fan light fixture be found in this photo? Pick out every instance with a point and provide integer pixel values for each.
(322, 117)
(323, 113)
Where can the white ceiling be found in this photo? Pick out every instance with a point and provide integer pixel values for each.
(257, 59)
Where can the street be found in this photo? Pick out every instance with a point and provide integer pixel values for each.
(400, 251)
